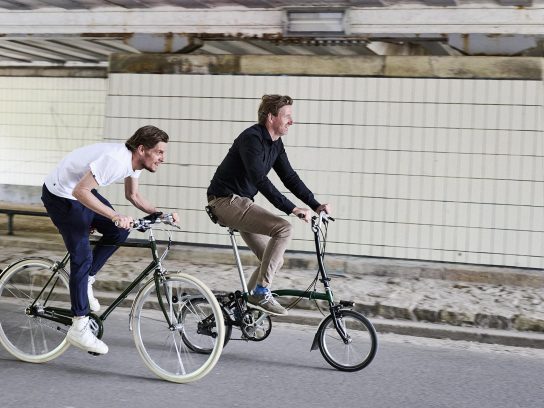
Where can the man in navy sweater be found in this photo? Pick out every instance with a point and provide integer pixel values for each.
(241, 175)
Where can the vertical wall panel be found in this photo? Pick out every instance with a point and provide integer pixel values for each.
(433, 169)
(428, 169)
(43, 119)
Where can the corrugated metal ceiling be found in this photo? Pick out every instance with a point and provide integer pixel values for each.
(89, 48)
(133, 4)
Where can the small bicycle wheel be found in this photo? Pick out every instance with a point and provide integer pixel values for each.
(25, 335)
(360, 347)
(161, 346)
(198, 323)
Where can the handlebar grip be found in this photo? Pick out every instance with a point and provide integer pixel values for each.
(132, 224)
(153, 217)
(324, 216)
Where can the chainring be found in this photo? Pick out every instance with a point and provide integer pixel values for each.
(256, 325)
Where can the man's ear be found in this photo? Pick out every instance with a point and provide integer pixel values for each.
(140, 149)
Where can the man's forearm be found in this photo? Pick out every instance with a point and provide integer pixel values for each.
(142, 204)
(88, 199)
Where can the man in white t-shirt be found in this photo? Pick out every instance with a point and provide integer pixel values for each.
(71, 200)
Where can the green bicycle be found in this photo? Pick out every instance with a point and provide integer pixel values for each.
(35, 311)
(347, 339)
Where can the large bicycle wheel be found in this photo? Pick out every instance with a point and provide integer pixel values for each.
(198, 322)
(162, 347)
(360, 347)
(24, 334)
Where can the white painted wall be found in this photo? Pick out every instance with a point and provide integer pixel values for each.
(42, 119)
(434, 169)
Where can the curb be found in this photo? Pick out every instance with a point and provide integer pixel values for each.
(402, 327)
(432, 330)
(338, 264)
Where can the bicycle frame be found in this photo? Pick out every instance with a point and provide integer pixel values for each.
(327, 295)
(313, 295)
(64, 316)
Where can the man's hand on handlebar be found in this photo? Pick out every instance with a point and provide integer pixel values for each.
(123, 221)
(306, 214)
(324, 207)
(303, 213)
(175, 217)
(142, 224)
(126, 222)
(170, 219)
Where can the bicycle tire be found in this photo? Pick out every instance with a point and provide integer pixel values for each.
(162, 348)
(362, 346)
(25, 336)
(193, 313)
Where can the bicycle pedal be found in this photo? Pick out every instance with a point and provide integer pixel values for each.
(92, 353)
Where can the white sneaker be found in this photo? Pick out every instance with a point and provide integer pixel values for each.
(81, 336)
(93, 302)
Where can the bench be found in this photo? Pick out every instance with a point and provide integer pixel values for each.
(13, 212)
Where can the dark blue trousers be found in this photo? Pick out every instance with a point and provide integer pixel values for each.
(74, 222)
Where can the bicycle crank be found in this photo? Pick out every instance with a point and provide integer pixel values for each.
(255, 325)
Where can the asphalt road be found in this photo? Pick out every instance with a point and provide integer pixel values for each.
(282, 372)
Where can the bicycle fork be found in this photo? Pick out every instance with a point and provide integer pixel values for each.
(335, 310)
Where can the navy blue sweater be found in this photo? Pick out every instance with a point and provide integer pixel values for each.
(244, 171)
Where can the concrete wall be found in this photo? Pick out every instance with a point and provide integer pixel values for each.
(43, 118)
(443, 164)
(440, 168)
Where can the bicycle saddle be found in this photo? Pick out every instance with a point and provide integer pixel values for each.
(214, 219)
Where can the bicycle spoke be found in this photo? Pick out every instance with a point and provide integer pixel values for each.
(19, 295)
(166, 351)
(153, 319)
(180, 361)
(361, 344)
(31, 338)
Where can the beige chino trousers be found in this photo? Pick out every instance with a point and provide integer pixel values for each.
(266, 234)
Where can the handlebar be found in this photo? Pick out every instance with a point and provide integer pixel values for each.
(146, 223)
(323, 217)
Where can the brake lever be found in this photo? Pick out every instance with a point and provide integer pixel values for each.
(168, 219)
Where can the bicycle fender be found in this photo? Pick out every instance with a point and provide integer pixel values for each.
(315, 343)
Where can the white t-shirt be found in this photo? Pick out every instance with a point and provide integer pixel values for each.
(108, 162)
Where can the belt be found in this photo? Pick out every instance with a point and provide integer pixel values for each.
(213, 197)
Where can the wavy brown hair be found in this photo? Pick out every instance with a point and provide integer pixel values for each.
(272, 104)
(148, 136)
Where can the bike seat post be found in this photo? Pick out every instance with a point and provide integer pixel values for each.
(238, 262)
